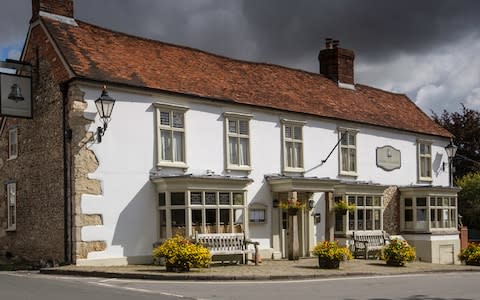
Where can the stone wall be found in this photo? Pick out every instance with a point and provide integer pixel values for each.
(38, 169)
(391, 214)
(83, 162)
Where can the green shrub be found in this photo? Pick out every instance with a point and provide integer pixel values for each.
(471, 254)
(182, 253)
(331, 251)
(398, 252)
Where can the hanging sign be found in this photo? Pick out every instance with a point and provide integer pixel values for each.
(388, 158)
(15, 91)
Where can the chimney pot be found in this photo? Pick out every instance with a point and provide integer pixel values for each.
(336, 43)
(328, 43)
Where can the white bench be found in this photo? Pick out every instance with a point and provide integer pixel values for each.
(230, 245)
(368, 241)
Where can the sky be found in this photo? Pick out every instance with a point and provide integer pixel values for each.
(429, 49)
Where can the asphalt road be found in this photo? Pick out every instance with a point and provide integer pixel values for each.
(432, 286)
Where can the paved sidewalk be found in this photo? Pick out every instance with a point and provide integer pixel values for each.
(268, 270)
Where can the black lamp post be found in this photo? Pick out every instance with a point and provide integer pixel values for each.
(451, 150)
(104, 106)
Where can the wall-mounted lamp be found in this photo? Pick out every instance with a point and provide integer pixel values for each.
(275, 203)
(311, 204)
(104, 106)
(451, 150)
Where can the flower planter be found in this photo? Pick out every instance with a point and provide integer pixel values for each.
(325, 263)
(176, 268)
(292, 211)
(395, 263)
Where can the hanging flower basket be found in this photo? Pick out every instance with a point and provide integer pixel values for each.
(342, 206)
(292, 206)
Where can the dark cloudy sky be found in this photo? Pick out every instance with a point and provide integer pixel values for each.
(429, 49)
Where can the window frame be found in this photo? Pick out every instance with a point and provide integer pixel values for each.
(345, 218)
(12, 143)
(301, 164)
(237, 117)
(420, 157)
(348, 147)
(11, 215)
(164, 107)
(430, 226)
(188, 208)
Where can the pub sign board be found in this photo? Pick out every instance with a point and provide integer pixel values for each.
(15, 96)
(388, 158)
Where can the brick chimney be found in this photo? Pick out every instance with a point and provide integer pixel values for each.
(337, 63)
(57, 7)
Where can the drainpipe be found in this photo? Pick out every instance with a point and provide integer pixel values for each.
(67, 208)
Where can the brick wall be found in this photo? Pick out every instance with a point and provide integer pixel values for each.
(38, 170)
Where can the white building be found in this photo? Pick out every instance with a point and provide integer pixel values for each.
(203, 143)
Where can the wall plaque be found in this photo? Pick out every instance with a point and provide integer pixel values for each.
(388, 158)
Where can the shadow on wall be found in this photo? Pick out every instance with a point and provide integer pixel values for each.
(136, 225)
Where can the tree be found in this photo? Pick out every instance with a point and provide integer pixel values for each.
(465, 126)
(469, 199)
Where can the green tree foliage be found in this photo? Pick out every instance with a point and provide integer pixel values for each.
(469, 199)
(465, 126)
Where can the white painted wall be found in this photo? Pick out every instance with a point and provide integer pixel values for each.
(127, 155)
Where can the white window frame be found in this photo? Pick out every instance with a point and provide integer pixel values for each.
(300, 165)
(164, 107)
(343, 135)
(237, 117)
(347, 216)
(448, 207)
(424, 156)
(12, 143)
(11, 189)
(188, 207)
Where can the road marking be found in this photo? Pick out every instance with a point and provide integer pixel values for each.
(138, 289)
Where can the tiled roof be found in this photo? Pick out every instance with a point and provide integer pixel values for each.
(100, 54)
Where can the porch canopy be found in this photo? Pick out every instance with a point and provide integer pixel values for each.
(279, 183)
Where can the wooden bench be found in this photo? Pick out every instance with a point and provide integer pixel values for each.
(365, 242)
(230, 245)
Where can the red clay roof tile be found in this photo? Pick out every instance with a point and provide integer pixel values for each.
(105, 55)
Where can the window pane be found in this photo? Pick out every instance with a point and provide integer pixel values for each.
(360, 200)
(344, 136)
(297, 132)
(421, 214)
(238, 216)
(445, 201)
(351, 220)
(243, 152)
(210, 198)
(178, 120)
(453, 201)
(339, 222)
(166, 144)
(377, 201)
(197, 221)
(432, 201)
(243, 127)
(351, 139)
(351, 199)
(163, 224)
(433, 222)
(408, 215)
(225, 224)
(369, 219)
(165, 118)
(288, 132)
(238, 199)
(421, 201)
(368, 201)
(233, 147)
(352, 160)
(211, 220)
(224, 198)
(344, 153)
(161, 199)
(178, 222)
(232, 126)
(408, 201)
(196, 198)
(289, 152)
(298, 159)
(178, 146)
(177, 198)
(376, 218)
(360, 219)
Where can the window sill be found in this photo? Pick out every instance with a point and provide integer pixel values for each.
(11, 229)
(425, 180)
(294, 170)
(349, 174)
(238, 168)
(172, 165)
(12, 158)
